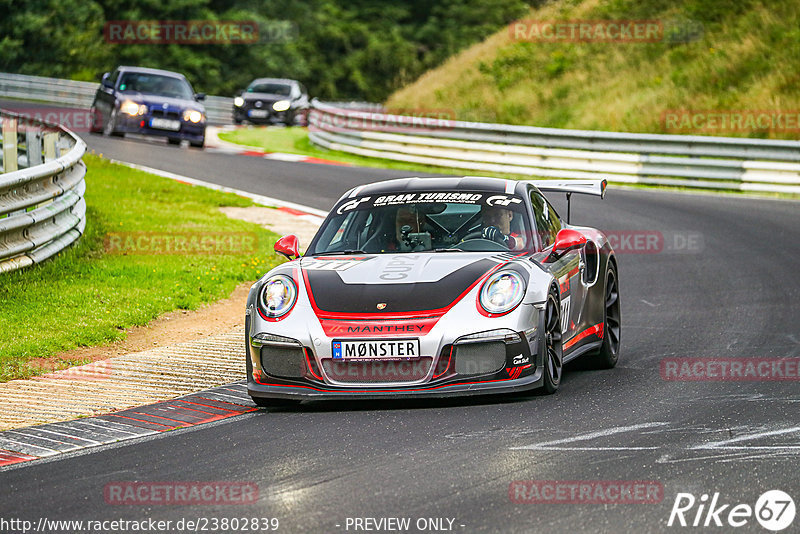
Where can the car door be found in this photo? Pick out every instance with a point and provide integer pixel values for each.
(566, 269)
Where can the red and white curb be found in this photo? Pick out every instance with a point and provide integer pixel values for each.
(25, 444)
(215, 144)
(43, 441)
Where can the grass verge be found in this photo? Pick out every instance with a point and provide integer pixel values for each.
(294, 140)
(736, 56)
(89, 294)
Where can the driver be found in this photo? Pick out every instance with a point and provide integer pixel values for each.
(497, 227)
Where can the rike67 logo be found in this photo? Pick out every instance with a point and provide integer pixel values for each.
(774, 510)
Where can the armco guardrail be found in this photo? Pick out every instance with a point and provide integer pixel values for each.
(42, 209)
(675, 160)
(81, 94)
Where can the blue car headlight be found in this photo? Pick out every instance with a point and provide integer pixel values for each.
(192, 115)
(277, 296)
(129, 107)
(502, 292)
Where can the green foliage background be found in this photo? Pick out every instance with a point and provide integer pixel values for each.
(343, 49)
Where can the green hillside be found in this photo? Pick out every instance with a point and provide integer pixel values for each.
(739, 56)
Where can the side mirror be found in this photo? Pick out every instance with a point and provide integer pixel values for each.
(288, 246)
(199, 96)
(104, 79)
(566, 240)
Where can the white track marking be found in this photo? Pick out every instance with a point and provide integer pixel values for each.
(726, 443)
(552, 445)
(259, 199)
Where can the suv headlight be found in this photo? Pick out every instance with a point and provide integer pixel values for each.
(281, 105)
(502, 292)
(131, 108)
(192, 115)
(278, 295)
(238, 101)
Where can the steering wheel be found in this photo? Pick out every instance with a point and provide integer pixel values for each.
(478, 234)
(479, 244)
(475, 234)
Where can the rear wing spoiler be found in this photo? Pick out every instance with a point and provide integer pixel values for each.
(585, 187)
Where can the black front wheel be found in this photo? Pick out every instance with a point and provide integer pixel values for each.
(554, 352)
(608, 355)
(110, 127)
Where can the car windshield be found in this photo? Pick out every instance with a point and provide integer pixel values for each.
(155, 84)
(440, 221)
(280, 89)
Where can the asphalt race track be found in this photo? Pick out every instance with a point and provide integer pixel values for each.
(722, 282)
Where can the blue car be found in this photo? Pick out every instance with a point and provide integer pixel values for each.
(149, 102)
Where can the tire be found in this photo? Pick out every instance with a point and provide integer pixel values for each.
(110, 127)
(554, 352)
(172, 141)
(237, 121)
(198, 144)
(608, 355)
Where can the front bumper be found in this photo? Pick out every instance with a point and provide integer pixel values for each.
(272, 117)
(507, 362)
(140, 125)
(307, 392)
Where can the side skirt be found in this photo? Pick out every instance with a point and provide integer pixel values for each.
(583, 349)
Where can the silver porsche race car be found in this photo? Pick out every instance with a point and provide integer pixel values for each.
(434, 287)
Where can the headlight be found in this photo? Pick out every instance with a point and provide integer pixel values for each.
(192, 115)
(278, 296)
(502, 292)
(281, 105)
(238, 101)
(131, 108)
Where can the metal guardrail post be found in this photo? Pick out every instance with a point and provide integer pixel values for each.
(9, 145)
(34, 148)
(50, 146)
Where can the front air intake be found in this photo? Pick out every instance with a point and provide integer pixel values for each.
(283, 362)
(479, 358)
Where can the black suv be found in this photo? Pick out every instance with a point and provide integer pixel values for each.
(270, 101)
